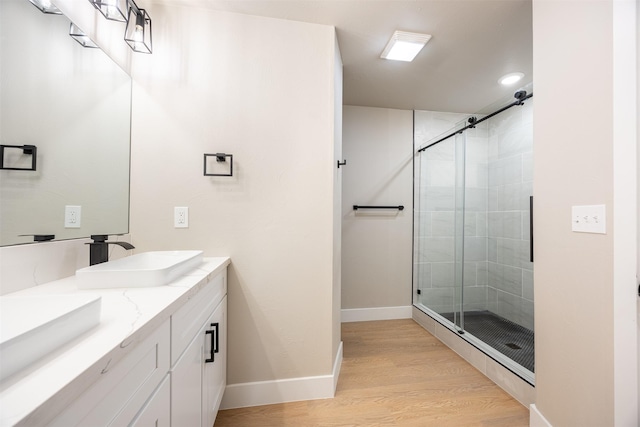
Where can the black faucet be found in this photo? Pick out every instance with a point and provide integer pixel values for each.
(99, 249)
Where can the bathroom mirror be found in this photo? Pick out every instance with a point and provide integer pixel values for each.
(74, 104)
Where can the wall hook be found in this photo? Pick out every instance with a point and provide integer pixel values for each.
(344, 162)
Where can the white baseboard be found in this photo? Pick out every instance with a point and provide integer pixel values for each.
(281, 391)
(337, 365)
(536, 419)
(376, 313)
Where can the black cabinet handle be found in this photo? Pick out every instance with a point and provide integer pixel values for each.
(217, 329)
(211, 352)
(215, 342)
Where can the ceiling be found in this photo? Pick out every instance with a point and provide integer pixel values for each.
(473, 43)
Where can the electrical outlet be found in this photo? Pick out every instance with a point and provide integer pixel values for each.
(181, 217)
(72, 216)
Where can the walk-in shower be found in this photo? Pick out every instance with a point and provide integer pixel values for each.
(473, 269)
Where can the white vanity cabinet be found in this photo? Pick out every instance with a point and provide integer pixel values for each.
(199, 361)
(175, 376)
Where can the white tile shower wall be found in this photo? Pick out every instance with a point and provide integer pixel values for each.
(510, 182)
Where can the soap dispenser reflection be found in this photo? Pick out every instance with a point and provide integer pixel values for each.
(99, 249)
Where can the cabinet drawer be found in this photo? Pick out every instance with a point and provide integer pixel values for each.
(118, 395)
(157, 411)
(187, 321)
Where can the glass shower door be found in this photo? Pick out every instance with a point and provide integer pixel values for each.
(458, 232)
(472, 269)
(439, 228)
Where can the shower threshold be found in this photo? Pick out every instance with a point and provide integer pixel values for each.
(514, 341)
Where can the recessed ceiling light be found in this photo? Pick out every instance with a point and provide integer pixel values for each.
(511, 78)
(404, 46)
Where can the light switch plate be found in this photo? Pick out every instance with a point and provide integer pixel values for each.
(589, 219)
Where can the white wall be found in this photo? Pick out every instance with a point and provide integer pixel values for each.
(376, 245)
(337, 204)
(264, 90)
(638, 188)
(585, 286)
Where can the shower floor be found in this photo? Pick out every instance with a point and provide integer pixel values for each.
(509, 338)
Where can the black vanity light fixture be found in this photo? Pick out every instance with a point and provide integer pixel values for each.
(138, 31)
(137, 34)
(45, 6)
(78, 35)
(114, 10)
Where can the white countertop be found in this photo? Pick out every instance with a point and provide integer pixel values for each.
(128, 316)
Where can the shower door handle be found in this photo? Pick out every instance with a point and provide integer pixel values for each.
(531, 228)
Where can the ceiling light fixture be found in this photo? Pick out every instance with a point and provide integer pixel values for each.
(78, 35)
(511, 78)
(404, 46)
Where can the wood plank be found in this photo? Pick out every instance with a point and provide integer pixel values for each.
(394, 373)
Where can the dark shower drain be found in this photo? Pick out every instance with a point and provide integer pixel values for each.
(513, 346)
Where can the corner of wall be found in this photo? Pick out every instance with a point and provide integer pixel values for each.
(536, 419)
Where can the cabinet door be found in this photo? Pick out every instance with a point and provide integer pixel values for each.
(199, 377)
(186, 385)
(215, 371)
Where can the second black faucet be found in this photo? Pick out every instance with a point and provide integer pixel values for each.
(99, 248)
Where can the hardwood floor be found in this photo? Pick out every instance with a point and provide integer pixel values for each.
(394, 373)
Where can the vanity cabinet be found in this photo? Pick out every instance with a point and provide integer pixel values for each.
(174, 377)
(198, 373)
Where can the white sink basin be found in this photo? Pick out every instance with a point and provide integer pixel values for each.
(139, 271)
(31, 327)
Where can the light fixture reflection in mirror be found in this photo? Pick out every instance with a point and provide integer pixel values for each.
(114, 10)
(138, 31)
(78, 35)
(74, 104)
(45, 6)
